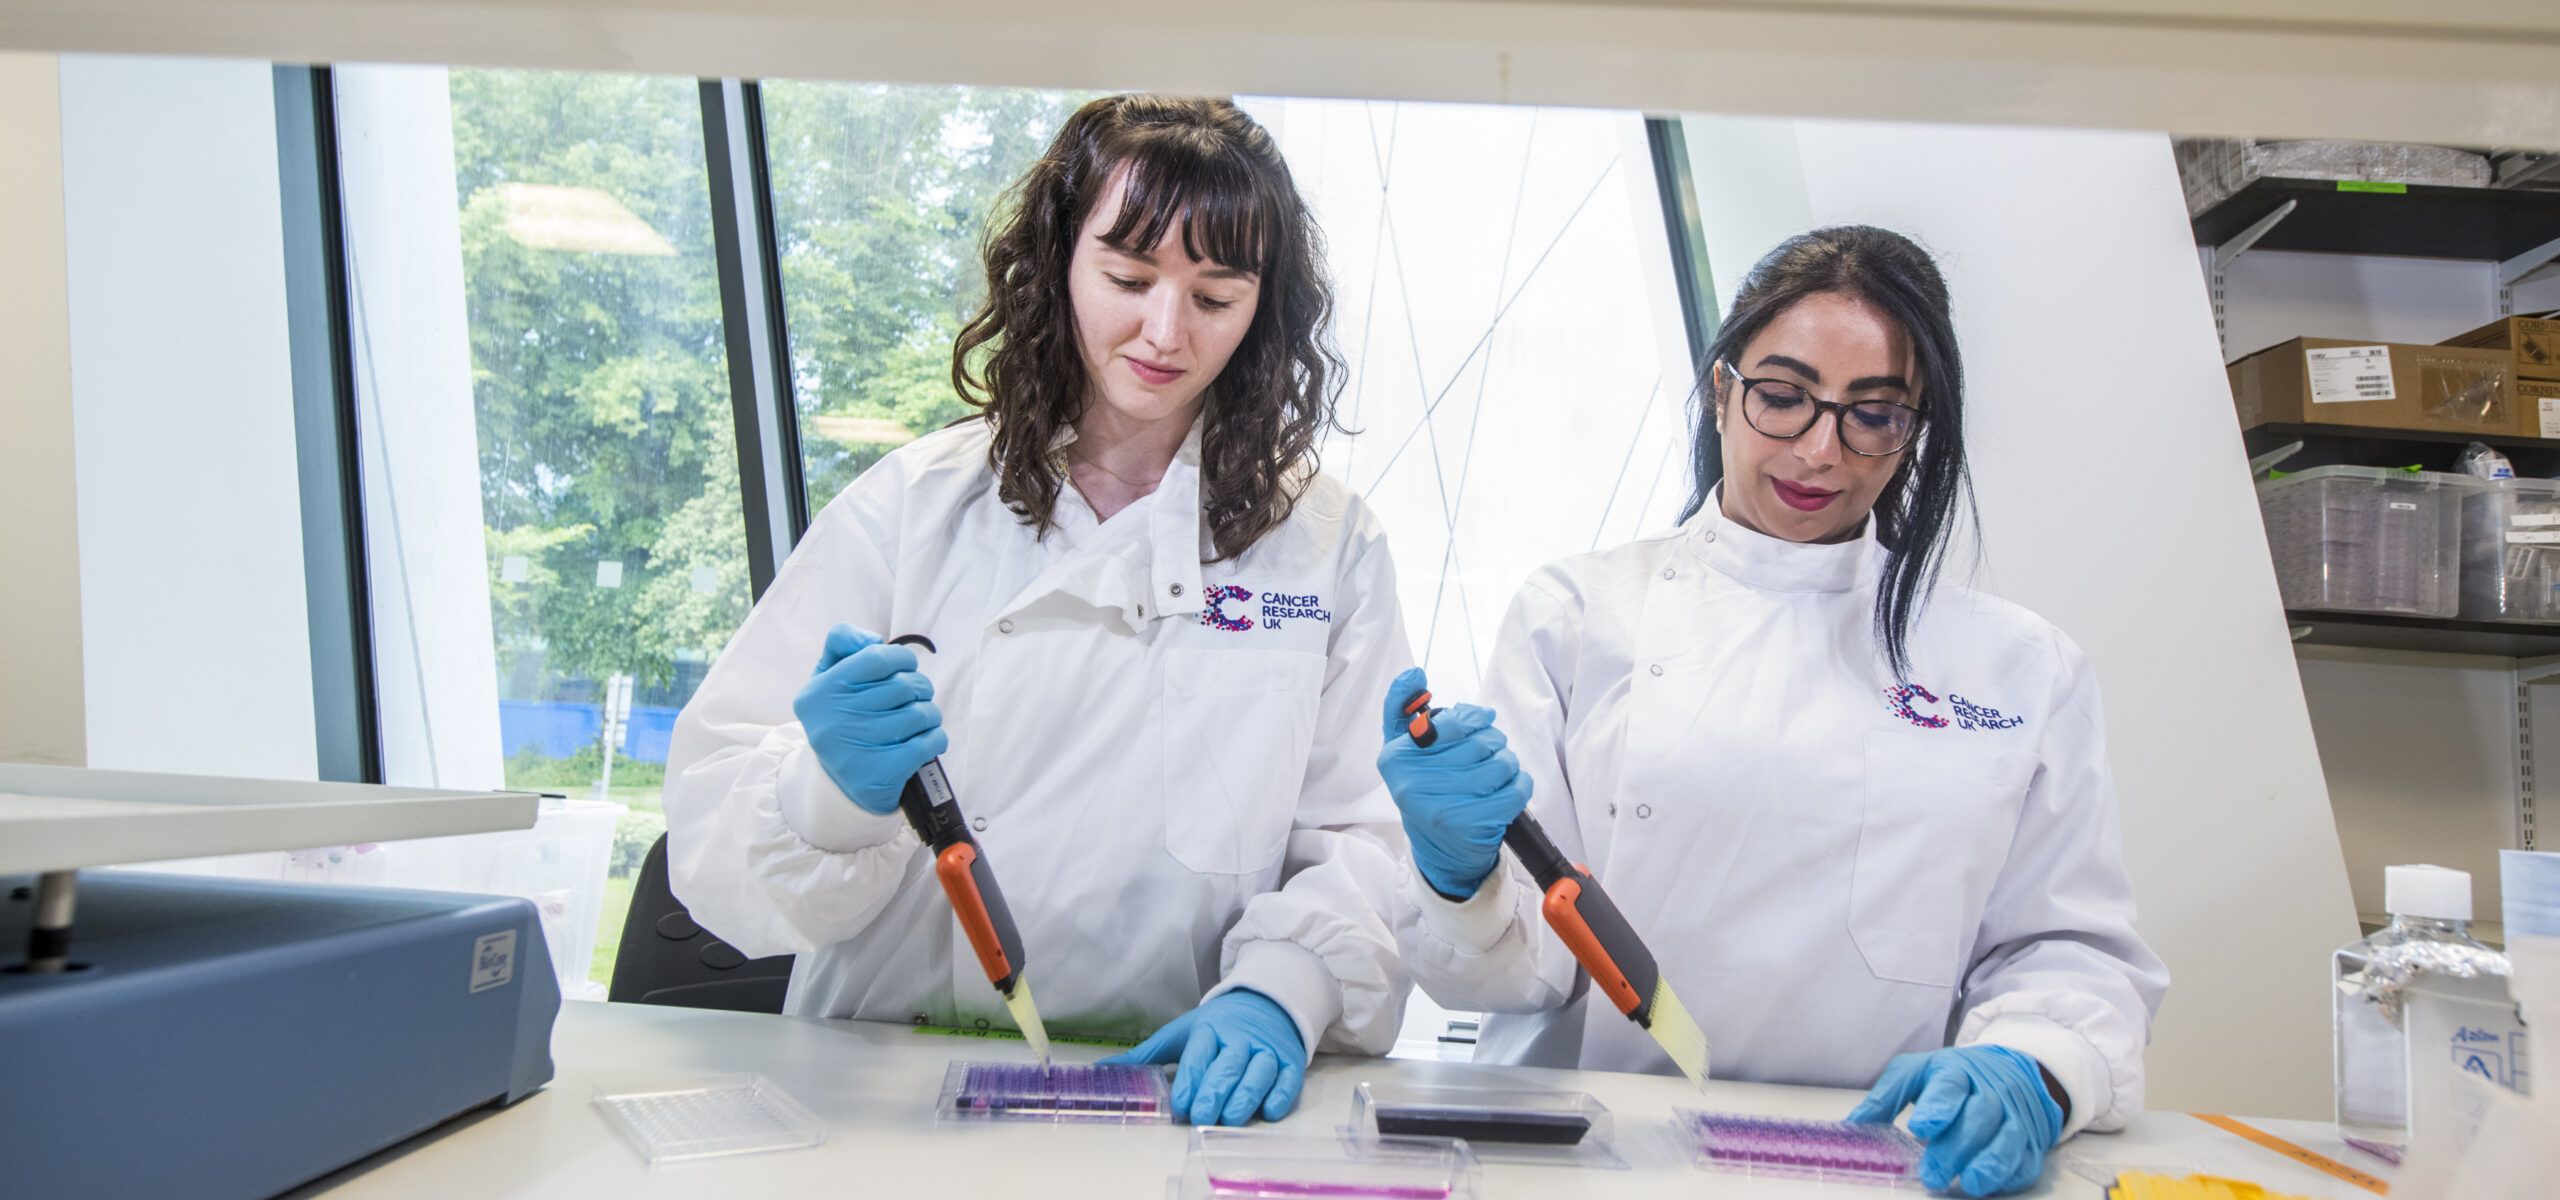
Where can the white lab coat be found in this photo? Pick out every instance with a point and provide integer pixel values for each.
(1173, 807)
(1830, 872)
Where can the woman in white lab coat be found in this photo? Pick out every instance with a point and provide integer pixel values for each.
(1856, 812)
(1160, 639)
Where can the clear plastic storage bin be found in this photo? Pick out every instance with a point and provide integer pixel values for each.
(559, 865)
(2367, 539)
(1233, 1164)
(2511, 550)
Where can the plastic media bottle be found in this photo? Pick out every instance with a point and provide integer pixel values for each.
(2416, 1002)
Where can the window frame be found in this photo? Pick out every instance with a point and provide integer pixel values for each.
(774, 499)
(774, 503)
(346, 715)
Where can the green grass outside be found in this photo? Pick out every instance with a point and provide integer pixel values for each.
(637, 786)
(617, 903)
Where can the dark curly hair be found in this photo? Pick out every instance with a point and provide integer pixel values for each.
(1203, 164)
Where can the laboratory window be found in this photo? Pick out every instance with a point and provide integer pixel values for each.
(880, 195)
(552, 512)
(1516, 363)
(555, 547)
(1518, 367)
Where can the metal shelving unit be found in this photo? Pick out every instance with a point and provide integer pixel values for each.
(2408, 220)
(2358, 446)
(2517, 229)
(2426, 634)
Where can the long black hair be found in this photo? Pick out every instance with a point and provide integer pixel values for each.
(1923, 500)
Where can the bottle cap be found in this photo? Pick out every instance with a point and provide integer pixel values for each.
(2437, 893)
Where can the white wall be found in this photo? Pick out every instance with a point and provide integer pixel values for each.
(40, 685)
(2420, 754)
(2115, 501)
(1750, 184)
(2272, 296)
(196, 647)
(435, 666)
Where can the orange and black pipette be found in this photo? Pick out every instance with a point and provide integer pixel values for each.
(1591, 927)
(933, 810)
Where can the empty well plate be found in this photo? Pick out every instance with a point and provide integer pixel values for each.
(707, 1117)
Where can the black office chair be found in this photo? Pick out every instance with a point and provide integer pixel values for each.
(667, 959)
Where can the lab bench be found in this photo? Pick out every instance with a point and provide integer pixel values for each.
(875, 1087)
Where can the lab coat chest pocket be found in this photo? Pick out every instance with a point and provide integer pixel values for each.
(1238, 725)
(1937, 821)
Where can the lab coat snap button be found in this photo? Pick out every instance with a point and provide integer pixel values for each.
(1711, 535)
(1175, 589)
(1004, 627)
(978, 823)
(1656, 668)
(1643, 811)
(1668, 572)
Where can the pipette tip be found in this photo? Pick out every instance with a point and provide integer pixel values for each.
(1026, 1016)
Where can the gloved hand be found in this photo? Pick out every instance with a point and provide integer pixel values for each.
(1983, 1112)
(1240, 1054)
(1457, 796)
(870, 717)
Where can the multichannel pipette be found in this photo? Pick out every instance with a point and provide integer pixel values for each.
(933, 810)
(1592, 928)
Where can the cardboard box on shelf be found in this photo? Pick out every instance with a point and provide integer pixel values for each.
(2540, 400)
(2534, 341)
(2382, 385)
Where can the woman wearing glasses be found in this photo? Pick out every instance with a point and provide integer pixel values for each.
(1863, 818)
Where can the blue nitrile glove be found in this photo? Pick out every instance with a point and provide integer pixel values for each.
(1983, 1112)
(1240, 1054)
(870, 717)
(1457, 796)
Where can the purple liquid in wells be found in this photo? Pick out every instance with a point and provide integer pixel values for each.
(1230, 1186)
(1813, 1146)
(2389, 1154)
(1020, 1089)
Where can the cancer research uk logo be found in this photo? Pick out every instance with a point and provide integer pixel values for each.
(1217, 614)
(1968, 715)
(1271, 608)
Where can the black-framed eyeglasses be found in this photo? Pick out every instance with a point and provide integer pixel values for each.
(1783, 410)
